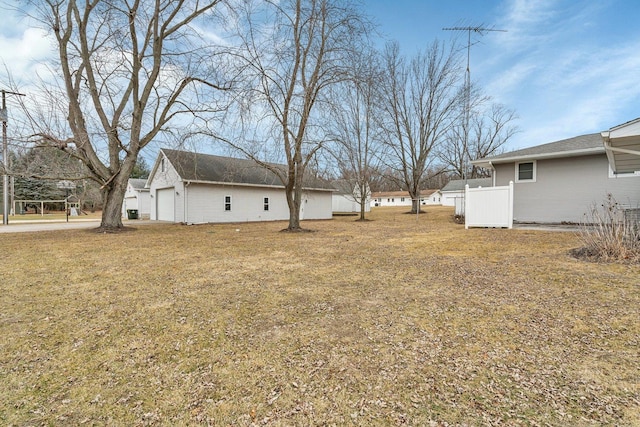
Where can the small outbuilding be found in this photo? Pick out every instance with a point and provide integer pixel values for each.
(196, 188)
(136, 198)
(346, 198)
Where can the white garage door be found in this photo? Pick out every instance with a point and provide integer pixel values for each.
(165, 204)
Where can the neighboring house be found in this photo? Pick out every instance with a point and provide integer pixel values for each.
(562, 181)
(402, 198)
(455, 189)
(199, 188)
(346, 198)
(137, 197)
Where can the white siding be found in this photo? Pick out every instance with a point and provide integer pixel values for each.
(346, 203)
(449, 197)
(206, 204)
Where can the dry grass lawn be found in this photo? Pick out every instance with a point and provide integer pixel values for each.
(395, 321)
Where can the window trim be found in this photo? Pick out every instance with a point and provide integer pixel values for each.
(533, 172)
(227, 203)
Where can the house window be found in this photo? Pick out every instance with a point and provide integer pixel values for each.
(227, 203)
(162, 165)
(266, 203)
(526, 172)
(402, 199)
(392, 200)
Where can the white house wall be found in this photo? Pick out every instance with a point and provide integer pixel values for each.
(449, 197)
(346, 203)
(163, 180)
(206, 203)
(565, 189)
(316, 205)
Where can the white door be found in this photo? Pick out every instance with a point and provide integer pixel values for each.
(165, 205)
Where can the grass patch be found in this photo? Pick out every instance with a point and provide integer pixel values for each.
(399, 320)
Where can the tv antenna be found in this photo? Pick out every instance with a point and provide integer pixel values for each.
(480, 30)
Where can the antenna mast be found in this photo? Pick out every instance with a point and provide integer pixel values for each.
(467, 83)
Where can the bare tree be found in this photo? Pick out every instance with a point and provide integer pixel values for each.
(291, 52)
(490, 132)
(128, 70)
(356, 148)
(490, 128)
(421, 103)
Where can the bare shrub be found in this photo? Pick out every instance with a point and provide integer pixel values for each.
(608, 235)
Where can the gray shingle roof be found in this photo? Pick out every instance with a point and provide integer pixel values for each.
(458, 184)
(209, 168)
(138, 184)
(571, 147)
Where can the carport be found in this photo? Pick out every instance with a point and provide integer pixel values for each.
(622, 144)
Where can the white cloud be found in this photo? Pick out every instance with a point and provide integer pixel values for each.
(560, 70)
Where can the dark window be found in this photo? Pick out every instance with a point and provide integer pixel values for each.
(162, 165)
(525, 171)
(227, 203)
(266, 203)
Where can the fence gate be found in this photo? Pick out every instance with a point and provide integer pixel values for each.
(489, 207)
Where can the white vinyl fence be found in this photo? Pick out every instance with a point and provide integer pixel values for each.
(489, 207)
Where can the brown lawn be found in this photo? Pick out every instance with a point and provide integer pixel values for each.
(395, 321)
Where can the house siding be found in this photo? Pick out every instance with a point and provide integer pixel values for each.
(565, 189)
(206, 204)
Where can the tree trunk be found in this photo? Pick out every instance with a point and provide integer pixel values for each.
(415, 203)
(293, 200)
(114, 195)
(363, 201)
(112, 209)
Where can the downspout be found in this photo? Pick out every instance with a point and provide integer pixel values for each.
(493, 174)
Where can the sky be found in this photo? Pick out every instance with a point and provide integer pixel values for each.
(567, 67)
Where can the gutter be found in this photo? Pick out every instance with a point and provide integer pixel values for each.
(541, 156)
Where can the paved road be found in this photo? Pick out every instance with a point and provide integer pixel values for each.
(34, 226)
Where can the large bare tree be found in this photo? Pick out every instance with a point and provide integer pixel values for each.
(130, 70)
(357, 150)
(290, 53)
(421, 104)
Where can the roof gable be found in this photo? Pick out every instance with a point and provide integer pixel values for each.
(209, 168)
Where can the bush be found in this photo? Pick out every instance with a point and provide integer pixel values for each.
(608, 235)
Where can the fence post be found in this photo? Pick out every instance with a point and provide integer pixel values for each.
(510, 204)
(466, 206)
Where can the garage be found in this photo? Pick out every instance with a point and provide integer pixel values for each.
(165, 203)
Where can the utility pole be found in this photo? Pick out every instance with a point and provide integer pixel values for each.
(4, 116)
